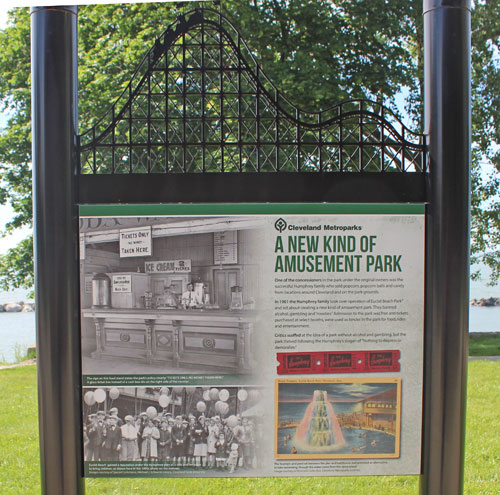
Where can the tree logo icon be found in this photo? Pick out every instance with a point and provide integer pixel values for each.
(280, 225)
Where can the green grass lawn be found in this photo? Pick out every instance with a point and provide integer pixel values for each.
(484, 345)
(19, 458)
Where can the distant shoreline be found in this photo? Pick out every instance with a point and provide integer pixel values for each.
(485, 302)
(18, 307)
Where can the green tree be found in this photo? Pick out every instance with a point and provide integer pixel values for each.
(485, 228)
(16, 267)
(317, 52)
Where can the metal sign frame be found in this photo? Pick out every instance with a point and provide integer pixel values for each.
(199, 122)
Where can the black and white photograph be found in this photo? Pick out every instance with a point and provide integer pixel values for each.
(169, 294)
(205, 430)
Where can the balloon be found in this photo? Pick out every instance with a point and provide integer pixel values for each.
(151, 412)
(190, 390)
(99, 395)
(178, 390)
(164, 400)
(201, 406)
(224, 395)
(242, 395)
(221, 407)
(114, 393)
(206, 395)
(218, 405)
(232, 421)
(214, 393)
(89, 398)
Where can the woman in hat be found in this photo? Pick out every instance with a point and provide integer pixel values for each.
(165, 441)
(200, 434)
(179, 435)
(190, 441)
(150, 436)
(213, 434)
(140, 424)
(187, 441)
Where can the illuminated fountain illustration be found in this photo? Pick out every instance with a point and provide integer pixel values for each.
(320, 429)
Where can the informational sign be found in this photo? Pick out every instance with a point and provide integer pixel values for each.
(225, 247)
(135, 242)
(317, 372)
(168, 266)
(122, 283)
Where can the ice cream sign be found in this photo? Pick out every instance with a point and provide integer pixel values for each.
(135, 242)
(168, 266)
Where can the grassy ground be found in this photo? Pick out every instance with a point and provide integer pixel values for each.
(21, 353)
(19, 461)
(484, 344)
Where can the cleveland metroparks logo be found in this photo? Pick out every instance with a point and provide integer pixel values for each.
(280, 225)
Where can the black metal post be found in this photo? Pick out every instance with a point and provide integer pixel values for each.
(54, 102)
(447, 42)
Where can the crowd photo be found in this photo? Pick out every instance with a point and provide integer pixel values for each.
(192, 427)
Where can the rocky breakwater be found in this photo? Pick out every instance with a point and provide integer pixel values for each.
(486, 301)
(17, 307)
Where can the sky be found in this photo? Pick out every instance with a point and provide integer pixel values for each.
(339, 392)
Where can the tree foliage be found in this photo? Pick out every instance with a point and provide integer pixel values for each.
(485, 228)
(317, 52)
(16, 267)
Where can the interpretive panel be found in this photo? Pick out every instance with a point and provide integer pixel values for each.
(252, 339)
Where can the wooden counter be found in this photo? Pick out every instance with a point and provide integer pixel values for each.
(205, 338)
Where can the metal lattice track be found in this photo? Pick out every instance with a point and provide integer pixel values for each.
(199, 102)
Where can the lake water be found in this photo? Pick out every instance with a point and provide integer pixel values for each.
(18, 329)
(356, 440)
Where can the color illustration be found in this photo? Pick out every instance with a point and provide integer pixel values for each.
(342, 418)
